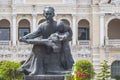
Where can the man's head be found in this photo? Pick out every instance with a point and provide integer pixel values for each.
(48, 12)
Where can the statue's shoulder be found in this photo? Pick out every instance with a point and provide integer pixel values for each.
(41, 25)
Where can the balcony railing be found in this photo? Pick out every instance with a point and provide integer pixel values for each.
(5, 55)
(5, 42)
(22, 43)
(5, 1)
(84, 42)
(82, 2)
(114, 42)
(14, 53)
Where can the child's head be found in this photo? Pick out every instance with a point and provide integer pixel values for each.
(60, 26)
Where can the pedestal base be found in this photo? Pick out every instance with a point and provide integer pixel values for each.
(44, 77)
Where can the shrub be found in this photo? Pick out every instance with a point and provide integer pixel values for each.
(117, 77)
(104, 71)
(82, 70)
(8, 70)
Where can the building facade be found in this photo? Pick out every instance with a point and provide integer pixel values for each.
(95, 25)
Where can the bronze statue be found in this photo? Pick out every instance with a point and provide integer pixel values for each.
(51, 52)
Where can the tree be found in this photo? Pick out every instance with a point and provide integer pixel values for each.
(104, 71)
(8, 70)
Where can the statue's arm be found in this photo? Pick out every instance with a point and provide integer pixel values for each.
(32, 35)
(46, 42)
(37, 41)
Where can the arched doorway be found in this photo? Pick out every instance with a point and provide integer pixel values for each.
(115, 69)
(4, 30)
(83, 30)
(114, 29)
(23, 28)
(66, 22)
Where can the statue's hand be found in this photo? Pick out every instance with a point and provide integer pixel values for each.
(22, 39)
(53, 37)
(29, 41)
(62, 37)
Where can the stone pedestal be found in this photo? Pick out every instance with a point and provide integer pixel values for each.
(44, 77)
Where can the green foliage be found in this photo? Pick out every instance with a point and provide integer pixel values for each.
(104, 71)
(84, 67)
(8, 70)
(117, 77)
(68, 76)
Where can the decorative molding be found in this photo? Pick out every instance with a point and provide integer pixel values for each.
(116, 14)
(84, 2)
(68, 1)
(84, 51)
(116, 57)
(19, 1)
(115, 2)
(103, 2)
(109, 9)
(13, 8)
(34, 15)
(34, 8)
(14, 15)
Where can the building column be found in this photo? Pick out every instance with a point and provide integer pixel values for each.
(55, 17)
(102, 30)
(74, 29)
(34, 23)
(13, 1)
(14, 30)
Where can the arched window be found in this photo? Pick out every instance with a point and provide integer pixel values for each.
(4, 29)
(24, 28)
(115, 68)
(83, 30)
(66, 22)
(114, 29)
(41, 21)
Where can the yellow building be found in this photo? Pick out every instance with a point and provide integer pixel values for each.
(95, 25)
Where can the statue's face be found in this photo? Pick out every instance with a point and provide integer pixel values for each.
(48, 13)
